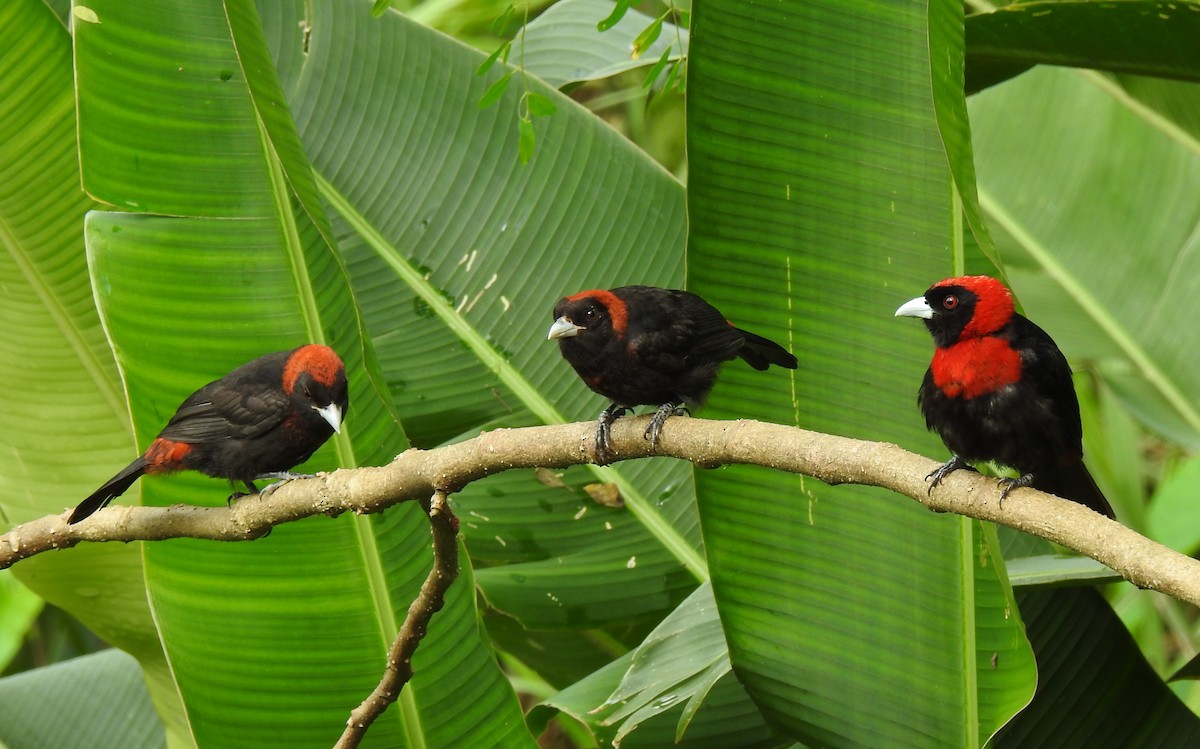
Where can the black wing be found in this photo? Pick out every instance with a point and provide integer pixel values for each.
(717, 340)
(682, 327)
(1045, 369)
(219, 412)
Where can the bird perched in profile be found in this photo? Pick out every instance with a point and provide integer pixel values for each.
(641, 345)
(1000, 390)
(256, 422)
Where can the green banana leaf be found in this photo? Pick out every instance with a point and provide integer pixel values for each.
(235, 268)
(1050, 570)
(72, 430)
(563, 46)
(826, 198)
(1088, 660)
(1174, 518)
(19, 607)
(660, 713)
(1096, 250)
(247, 254)
(56, 705)
(1133, 36)
(394, 220)
(1080, 641)
(1100, 254)
(456, 275)
(755, 204)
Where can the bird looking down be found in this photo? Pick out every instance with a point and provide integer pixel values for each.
(999, 389)
(257, 422)
(641, 345)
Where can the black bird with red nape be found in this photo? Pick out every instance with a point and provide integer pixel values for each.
(999, 389)
(257, 422)
(645, 346)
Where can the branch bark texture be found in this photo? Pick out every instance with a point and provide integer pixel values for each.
(418, 474)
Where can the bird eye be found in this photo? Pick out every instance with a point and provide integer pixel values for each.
(308, 392)
(950, 302)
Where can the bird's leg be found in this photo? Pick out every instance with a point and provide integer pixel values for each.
(607, 417)
(671, 408)
(944, 470)
(1007, 485)
(250, 489)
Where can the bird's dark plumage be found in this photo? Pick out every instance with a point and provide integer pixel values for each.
(263, 418)
(999, 389)
(641, 345)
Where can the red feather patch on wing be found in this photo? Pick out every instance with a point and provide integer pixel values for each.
(165, 455)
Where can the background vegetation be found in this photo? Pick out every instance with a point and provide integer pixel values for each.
(258, 175)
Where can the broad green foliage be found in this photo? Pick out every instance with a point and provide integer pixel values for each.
(259, 175)
(856, 225)
(562, 45)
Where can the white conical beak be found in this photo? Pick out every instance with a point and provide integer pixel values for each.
(563, 328)
(915, 308)
(332, 414)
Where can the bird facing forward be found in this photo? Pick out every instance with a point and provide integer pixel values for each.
(257, 422)
(641, 345)
(999, 389)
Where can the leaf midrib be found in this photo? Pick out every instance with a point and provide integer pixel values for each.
(1108, 324)
(310, 312)
(67, 325)
(638, 504)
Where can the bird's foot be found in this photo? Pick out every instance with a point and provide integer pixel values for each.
(282, 477)
(607, 417)
(660, 417)
(950, 466)
(1007, 485)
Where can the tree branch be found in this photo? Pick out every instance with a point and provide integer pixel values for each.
(422, 474)
(417, 474)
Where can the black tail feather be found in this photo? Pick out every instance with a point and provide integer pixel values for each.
(760, 352)
(111, 489)
(1073, 482)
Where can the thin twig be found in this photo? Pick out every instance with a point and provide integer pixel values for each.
(444, 527)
